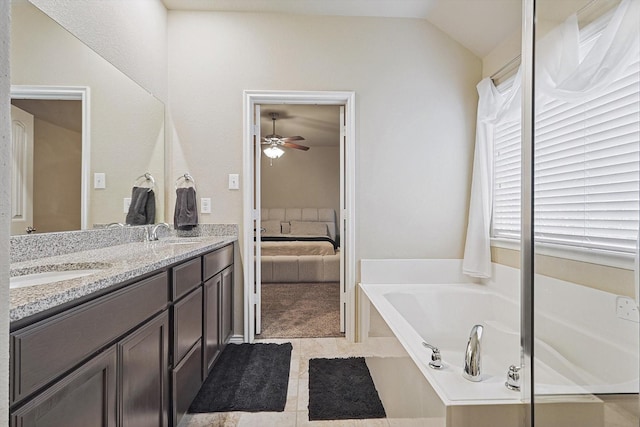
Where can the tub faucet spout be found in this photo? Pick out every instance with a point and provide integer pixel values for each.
(471, 369)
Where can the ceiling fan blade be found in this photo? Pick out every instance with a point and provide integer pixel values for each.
(296, 146)
(292, 138)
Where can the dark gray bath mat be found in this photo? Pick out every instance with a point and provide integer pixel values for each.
(247, 377)
(341, 389)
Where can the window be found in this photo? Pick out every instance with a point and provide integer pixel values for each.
(586, 169)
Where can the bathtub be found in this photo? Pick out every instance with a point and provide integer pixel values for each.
(444, 307)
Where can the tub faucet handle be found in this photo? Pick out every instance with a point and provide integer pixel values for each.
(513, 378)
(436, 357)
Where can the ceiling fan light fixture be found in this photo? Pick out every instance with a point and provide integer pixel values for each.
(273, 152)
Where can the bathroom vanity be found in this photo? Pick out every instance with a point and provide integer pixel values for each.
(102, 351)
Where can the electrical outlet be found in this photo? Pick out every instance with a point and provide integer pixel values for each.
(127, 203)
(205, 205)
(627, 309)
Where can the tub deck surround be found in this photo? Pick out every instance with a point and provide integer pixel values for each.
(123, 262)
(416, 323)
(577, 329)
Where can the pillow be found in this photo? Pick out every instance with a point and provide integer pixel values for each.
(309, 228)
(271, 226)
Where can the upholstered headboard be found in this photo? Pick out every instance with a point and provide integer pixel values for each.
(285, 215)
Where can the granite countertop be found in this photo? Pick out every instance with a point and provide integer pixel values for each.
(117, 264)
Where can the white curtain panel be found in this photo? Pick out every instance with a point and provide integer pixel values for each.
(560, 74)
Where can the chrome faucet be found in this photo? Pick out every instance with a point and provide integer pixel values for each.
(154, 231)
(436, 358)
(472, 367)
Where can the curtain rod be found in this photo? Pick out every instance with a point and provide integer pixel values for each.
(510, 67)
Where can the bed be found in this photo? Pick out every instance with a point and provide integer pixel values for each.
(299, 245)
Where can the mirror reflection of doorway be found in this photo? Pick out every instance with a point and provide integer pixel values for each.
(47, 178)
(300, 280)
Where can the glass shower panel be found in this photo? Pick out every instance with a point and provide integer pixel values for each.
(586, 189)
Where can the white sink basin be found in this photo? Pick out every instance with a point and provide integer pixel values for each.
(55, 273)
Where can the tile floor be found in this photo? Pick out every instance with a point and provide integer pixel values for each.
(295, 412)
(620, 411)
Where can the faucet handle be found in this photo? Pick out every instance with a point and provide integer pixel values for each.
(513, 378)
(436, 357)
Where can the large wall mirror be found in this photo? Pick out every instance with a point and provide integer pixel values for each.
(86, 118)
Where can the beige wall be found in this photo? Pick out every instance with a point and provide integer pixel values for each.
(56, 202)
(415, 101)
(302, 179)
(5, 203)
(415, 115)
(130, 34)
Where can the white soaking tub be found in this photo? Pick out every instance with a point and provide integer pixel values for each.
(429, 301)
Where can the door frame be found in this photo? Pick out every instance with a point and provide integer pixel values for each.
(347, 217)
(68, 93)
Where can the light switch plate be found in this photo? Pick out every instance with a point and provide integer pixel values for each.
(127, 203)
(205, 205)
(99, 180)
(234, 181)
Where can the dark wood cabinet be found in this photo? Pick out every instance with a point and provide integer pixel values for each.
(66, 339)
(85, 397)
(187, 380)
(211, 323)
(218, 308)
(133, 357)
(187, 324)
(144, 375)
(226, 324)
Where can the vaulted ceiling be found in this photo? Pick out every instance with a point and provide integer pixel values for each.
(479, 25)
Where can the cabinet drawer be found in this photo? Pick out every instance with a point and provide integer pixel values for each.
(187, 328)
(187, 380)
(49, 348)
(217, 260)
(186, 276)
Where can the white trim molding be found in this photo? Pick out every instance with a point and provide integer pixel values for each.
(67, 93)
(260, 97)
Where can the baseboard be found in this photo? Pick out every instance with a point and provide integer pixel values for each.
(236, 339)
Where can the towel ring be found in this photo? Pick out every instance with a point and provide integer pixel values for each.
(187, 178)
(145, 178)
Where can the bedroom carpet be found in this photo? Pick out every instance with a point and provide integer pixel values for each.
(247, 377)
(300, 310)
(342, 389)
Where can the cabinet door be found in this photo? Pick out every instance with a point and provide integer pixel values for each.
(85, 397)
(211, 323)
(227, 305)
(187, 324)
(187, 379)
(144, 375)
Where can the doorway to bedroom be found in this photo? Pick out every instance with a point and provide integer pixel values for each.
(307, 271)
(300, 199)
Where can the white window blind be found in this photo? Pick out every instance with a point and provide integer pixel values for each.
(586, 170)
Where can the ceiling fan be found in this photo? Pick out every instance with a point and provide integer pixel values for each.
(274, 141)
